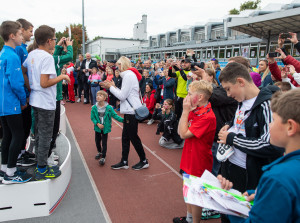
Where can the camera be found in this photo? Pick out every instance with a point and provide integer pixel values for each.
(285, 35)
(200, 65)
(273, 54)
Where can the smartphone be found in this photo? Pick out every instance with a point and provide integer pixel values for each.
(285, 35)
(273, 54)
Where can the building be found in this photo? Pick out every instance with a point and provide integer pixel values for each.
(140, 29)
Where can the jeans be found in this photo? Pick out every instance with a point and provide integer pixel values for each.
(94, 91)
(216, 163)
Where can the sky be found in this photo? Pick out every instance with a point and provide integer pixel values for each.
(116, 18)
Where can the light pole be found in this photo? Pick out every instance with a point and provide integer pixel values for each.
(83, 33)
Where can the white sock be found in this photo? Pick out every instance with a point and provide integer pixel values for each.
(4, 167)
(10, 171)
(189, 217)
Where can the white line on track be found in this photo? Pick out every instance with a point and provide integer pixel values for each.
(156, 156)
(99, 198)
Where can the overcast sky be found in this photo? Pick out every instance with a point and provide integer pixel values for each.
(116, 18)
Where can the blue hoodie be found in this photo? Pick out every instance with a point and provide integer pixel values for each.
(12, 93)
(277, 198)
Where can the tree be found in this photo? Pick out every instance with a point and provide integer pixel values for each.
(97, 37)
(250, 5)
(76, 36)
(1, 43)
(234, 12)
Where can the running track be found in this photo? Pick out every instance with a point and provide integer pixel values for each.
(129, 196)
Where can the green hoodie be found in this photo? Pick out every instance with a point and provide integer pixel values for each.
(109, 113)
(60, 59)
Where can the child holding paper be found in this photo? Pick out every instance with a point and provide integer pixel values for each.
(277, 194)
(197, 126)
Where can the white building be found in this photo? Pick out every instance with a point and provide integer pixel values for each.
(140, 29)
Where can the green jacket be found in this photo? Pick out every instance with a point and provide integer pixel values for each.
(60, 59)
(109, 113)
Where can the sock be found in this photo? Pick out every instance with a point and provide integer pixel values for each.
(42, 169)
(189, 217)
(4, 167)
(10, 171)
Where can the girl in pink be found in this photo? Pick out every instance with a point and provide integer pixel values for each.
(71, 93)
(94, 80)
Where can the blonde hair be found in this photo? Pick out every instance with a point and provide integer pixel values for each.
(212, 74)
(202, 87)
(210, 66)
(125, 63)
(101, 92)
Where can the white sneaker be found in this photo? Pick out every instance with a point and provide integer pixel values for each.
(85, 100)
(55, 157)
(78, 100)
(150, 122)
(51, 161)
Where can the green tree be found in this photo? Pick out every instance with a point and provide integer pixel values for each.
(1, 43)
(234, 12)
(250, 5)
(97, 37)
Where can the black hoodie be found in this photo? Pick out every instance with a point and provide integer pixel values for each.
(256, 144)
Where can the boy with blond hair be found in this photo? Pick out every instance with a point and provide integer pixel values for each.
(197, 126)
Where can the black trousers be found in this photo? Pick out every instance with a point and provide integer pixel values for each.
(98, 138)
(26, 115)
(13, 134)
(130, 134)
(80, 88)
(75, 89)
(55, 127)
(86, 88)
(178, 107)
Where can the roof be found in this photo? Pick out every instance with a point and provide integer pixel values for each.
(274, 22)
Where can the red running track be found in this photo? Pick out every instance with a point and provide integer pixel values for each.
(150, 195)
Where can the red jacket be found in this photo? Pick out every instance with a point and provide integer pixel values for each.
(276, 72)
(150, 101)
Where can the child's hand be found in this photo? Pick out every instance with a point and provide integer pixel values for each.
(187, 105)
(157, 106)
(223, 136)
(163, 110)
(100, 126)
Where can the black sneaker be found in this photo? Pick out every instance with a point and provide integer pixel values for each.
(120, 165)
(98, 156)
(102, 161)
(29, 155)
(141, 165)
(17, 178)
(2, 173)
(25, 161)
(209, 214)
(179, 220)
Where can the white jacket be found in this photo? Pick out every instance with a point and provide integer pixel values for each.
(130, 91)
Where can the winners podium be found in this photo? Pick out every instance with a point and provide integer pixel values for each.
(39, 198)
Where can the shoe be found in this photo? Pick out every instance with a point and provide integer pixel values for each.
(84, 100)
(150, 122)
(120, 165)
(68, 101)
(51, 161)
(78, 100)
(55, 157)
(179, 220)
(86, 103)
(2, 173)
(141, 165)
(62, 103)
(29, 155)
(102, 161)
(118, 109)
(50, 173)
(98, 156)
(17, 178)
(209, 214)
(25, 161)
(72, 102)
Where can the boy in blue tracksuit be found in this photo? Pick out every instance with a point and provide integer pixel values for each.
(277, 196)
(12, 101)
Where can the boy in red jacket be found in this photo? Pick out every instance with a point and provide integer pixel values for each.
(197, 126)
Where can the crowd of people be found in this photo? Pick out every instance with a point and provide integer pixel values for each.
(239, 122)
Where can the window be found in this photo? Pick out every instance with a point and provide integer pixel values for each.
(222, 53)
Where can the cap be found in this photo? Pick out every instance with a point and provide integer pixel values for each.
(188, 60)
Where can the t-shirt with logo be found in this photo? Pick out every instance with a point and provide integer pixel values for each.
(196, 154)
(242, 113)
(41, 62)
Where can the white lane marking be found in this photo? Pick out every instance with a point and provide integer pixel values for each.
(99, 198)
(156, 156)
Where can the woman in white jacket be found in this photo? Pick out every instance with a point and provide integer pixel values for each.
(129, 91)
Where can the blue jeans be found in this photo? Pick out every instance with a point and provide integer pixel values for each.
(94, 91)
(216, 163)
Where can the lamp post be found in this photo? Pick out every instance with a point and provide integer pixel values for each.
(83, 33)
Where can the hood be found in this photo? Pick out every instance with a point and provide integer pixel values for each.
(265, 94)
(105, 104)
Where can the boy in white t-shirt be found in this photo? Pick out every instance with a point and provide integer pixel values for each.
(43, 80)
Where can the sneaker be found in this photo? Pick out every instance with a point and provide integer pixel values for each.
(62, 103)
(120, 165)
(98, 156)
(78, 100)
(51, 161)
(17, 178)
(55, 157)
(102, 161)
(209, 214)
(141, 165)
(150, 122)
(85, 100)
(2, 173)
(180, 220)
(29, 155)
(25, 161)
(50, 173)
